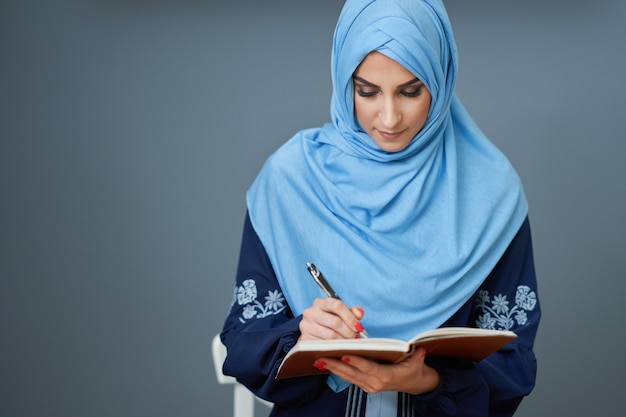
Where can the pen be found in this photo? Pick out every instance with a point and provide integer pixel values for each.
(319, 278)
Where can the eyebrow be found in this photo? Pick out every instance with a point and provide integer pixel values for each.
(369, 84)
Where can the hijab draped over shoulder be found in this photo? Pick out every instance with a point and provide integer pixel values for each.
(410, 235)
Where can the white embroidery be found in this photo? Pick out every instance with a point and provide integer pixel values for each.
(498, 316)
(246, 295)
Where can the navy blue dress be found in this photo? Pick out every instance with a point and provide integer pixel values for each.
(260, 329)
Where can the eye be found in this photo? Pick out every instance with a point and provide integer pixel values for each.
(366, 92)
(412, 92)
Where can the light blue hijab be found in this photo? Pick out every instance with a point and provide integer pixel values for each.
(410, 235)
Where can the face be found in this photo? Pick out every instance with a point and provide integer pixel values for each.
(390, 103)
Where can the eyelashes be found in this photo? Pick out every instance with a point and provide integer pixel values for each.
(363, 93)
(410, 92)
(413, 92)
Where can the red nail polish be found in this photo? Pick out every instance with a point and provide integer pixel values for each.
(345, 359)
(358, 336)
(359, 327)
(320, 365)
(361, 310)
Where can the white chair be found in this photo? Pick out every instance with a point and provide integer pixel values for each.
(243, 399)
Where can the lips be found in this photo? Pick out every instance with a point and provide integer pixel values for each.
(390, 136)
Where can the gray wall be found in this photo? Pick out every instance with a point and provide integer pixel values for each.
(130, 131)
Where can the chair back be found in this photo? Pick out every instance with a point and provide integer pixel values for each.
(243, 399)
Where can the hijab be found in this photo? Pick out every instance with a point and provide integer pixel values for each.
(408, 235)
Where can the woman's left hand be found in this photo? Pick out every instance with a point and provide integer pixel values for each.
(412, 375)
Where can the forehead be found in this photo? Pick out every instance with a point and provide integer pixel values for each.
(377, 67)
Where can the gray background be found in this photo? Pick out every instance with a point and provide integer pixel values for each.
(130, 131)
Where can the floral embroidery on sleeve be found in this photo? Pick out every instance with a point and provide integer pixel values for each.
(246, 295)
(496, 312)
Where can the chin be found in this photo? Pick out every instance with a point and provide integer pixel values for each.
(392, 147)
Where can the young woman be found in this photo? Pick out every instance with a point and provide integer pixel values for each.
(413, 215)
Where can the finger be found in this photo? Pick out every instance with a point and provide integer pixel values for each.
(349, 324)
(357, 371)
(350, 317)
(360, 364)
(358, 312)
(320, 327)
(324, 320)
(420, 353)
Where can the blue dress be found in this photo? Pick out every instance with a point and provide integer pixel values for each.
(260, 329)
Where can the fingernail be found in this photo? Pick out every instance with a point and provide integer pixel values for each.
(359, 327)
(345, 359)
(358, 336)
(361, 310)
(320, 365)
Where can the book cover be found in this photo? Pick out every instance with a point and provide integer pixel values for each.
(464, 343)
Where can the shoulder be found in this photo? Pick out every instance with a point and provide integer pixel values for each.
(294, 148)
(290, 158)
(283, 170)
(516, 266)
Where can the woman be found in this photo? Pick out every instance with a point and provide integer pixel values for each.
(415, 218)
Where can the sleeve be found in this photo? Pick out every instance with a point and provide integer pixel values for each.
(507, 300)
(260, 329)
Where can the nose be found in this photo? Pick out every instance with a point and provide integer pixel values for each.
(389, 113)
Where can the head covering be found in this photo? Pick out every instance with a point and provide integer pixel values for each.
(408, 235)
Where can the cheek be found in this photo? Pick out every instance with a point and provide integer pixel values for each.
(363, 113)
(421, 112)
(424, 114)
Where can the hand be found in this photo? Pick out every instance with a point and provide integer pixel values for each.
(412, 375)
(330, 318)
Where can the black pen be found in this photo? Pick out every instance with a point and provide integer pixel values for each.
(319, 278)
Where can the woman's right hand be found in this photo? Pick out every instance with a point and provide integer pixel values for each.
(330, 318)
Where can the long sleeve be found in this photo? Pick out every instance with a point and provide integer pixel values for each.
(506, 300)
(260, 329)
